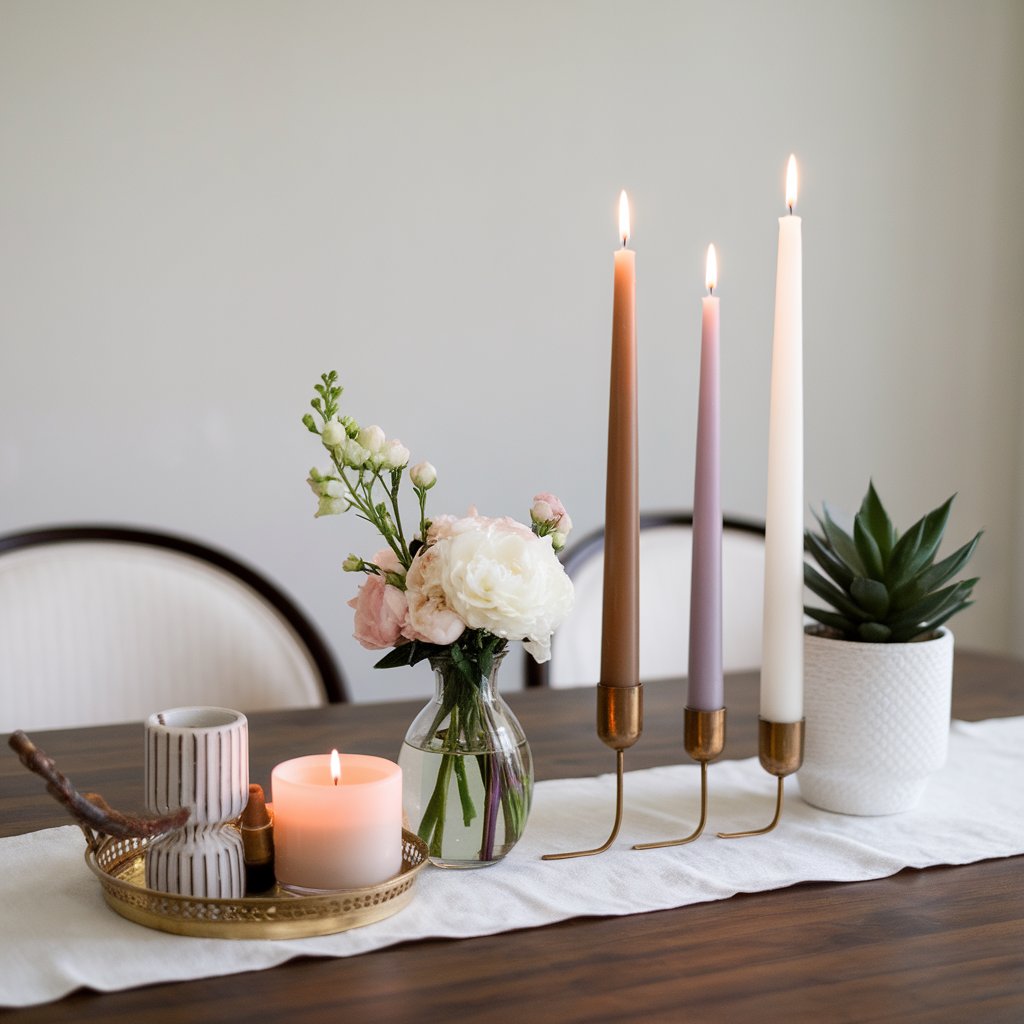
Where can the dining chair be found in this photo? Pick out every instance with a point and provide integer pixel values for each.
(665, 557)
(111, 623)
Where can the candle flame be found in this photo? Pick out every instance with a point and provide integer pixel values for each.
(623, 217)
(711, 274)
(791, 183)
(335, 766)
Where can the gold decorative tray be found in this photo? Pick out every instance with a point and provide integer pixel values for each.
(120, 865)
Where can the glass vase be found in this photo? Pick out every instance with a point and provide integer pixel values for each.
(467, 772)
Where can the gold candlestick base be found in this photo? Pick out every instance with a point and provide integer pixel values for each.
(620, 721)
(704, 739)
(781, 752)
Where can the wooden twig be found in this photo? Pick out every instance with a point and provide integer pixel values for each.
(90, 810)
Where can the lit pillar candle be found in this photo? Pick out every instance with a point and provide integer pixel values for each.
(620, 630)
(782, 670)
(340, 828)
(705, 673)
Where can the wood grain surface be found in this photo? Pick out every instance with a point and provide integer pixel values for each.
(943, 944)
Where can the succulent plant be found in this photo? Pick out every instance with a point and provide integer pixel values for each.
(884, 587)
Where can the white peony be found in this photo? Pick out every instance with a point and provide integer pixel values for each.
(498, 576)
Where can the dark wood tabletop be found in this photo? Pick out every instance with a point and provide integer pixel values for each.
(943, 944)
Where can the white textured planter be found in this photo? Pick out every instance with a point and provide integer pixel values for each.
(877, 722)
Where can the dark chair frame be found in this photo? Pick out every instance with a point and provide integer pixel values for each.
(331, 678)
(591, 543)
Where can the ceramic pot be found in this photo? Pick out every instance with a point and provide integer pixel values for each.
(198, 758)
(877, 721)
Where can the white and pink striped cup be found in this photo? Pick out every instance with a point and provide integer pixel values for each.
(198, 758)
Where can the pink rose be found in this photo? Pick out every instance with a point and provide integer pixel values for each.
(381, 609)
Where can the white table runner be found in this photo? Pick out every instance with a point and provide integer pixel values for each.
(57, 934)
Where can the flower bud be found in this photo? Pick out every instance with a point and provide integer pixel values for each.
(371, 438)
(542, 512)
(394, 455)
(423, 476)
(333, 434)
(352, 564)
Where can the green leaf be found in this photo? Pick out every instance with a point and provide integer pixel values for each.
(842, 543)
(833, 619)
(833, 595)
(929, 530)
(871, 596)
(937, 574)
(905, 595)
(398, 657)
(877, 521)
(874, 632)
(868, 549)
(897, 572)
(823, 555)
(934, 604)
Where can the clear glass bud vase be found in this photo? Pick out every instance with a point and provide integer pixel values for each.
(467, 772)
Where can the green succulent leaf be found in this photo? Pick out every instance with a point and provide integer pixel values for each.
(934, 604)
(928, 530)
(942, 571)
(832, 594)
(822, 554)
(832, 619)
(841, 543)
(897, 572)
(868, 549)
(874, 632)
(871, 596)
(876, 519)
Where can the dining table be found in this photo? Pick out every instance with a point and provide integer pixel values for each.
(943, 943)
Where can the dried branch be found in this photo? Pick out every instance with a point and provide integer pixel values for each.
(90, 810)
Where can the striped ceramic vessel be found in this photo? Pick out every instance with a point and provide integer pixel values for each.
(198, 758)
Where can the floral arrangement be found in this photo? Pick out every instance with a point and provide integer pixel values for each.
(455, 592)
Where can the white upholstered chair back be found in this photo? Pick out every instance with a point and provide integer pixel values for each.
(109, 630)
(665, 555)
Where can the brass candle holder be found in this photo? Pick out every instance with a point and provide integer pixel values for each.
(620, 721)
(704, 740)
(781, 752)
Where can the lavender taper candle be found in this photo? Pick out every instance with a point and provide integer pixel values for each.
(705, 671)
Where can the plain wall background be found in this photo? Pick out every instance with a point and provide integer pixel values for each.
(205, 204)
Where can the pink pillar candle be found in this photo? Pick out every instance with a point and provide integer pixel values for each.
(705, 671)
(337, 836)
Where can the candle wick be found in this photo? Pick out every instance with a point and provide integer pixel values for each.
(711, 289)
(335, 781)
(791, 209)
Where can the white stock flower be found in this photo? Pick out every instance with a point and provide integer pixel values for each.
(353, 454)
(394, 455)
(423, 476)
(498, 576)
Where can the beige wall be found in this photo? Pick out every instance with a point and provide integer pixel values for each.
(202, 205)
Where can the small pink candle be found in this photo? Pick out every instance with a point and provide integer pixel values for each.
(337, 832)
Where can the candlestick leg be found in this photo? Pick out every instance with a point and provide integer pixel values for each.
(781, 752)
(619, 769)
(704, 738)
(620, 719)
